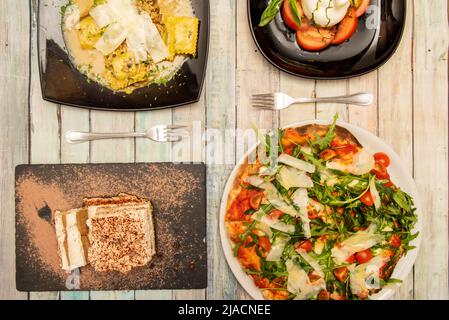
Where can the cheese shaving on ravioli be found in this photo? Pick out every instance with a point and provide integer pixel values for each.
(124, 22)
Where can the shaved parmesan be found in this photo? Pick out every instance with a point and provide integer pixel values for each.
(71, 19)
(301, 199)
(102, 15)
(299, 283)
(311, 261)
(124, 22)
(290, 177)
(362, 163)
(111, 39)
(296, 163)
(362, 240)
(272, 195)
(273, 223)
(375, 194)
(366, 276)
(277, 248)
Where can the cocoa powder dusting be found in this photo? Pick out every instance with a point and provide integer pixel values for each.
(177, 193)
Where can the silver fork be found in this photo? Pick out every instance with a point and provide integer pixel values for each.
(280, 101)
(158, 133)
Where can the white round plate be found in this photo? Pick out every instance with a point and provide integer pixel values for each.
(399, 175)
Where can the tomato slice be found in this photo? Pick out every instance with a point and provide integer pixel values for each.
(382, 159)
(324, 295)
(364, 256)
(328, 154)
(381, 172)
(265, 244)
(395, 241)
(255, 200)
(367, 199)
(289, 16)
(314, 39)
(341, 274)
(351, 259)
(362, 8)
(305, 245)
(347, 27)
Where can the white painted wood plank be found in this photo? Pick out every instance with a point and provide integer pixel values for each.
(112, 151)
(190, 150)
(396, 107)
(328, 89)
(298, 88)
(220, 99)
(44, 126)
(149, 151)
(430, 135)
(254, 75)
(74, 119)
(14, 73)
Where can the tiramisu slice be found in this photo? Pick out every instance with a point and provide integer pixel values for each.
(121, 233)
(71, 233)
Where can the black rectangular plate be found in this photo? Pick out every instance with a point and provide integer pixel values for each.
(63, 83)
(177, 192)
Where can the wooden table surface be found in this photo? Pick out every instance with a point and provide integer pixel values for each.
(410, 113)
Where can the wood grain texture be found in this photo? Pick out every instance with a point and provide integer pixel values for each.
(410, 114)
(45, 127)
(430, 120)
(14, 75)
(220, 120)
(396, 113)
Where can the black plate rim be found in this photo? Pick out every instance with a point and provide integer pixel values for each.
(41, 74)
(378, 65)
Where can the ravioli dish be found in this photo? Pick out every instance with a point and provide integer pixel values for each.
(129, 44)
(319, 219)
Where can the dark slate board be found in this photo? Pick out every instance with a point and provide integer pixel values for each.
(177, 192)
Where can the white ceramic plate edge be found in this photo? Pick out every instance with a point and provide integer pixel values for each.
(399, 176)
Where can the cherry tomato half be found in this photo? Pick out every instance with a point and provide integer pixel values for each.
(265, 244)
(367, 199)
(395, 241)
(341, 274)
(305, 245)
(382, 159)
(351, 259)
(364, 256)
(324, 295)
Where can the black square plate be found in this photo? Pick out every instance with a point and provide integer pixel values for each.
(62, 83)
(378, 35)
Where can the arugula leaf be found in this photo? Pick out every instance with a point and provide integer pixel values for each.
(270, 12)
(403, 200)
(324, 142)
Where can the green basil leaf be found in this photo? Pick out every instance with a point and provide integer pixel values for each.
(270, 12)
(296, 16)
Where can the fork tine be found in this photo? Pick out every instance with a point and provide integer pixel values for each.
(264, 95)
(176, 127)
(264, 106)
(263, 98)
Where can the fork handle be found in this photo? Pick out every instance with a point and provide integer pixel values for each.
(79, 136)
(360, 99)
